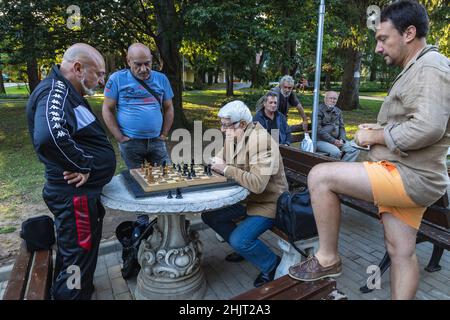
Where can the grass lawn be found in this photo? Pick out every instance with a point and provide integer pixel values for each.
(17, 90)
(21, 174)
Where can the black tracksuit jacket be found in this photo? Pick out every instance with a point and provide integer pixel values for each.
(67, 136)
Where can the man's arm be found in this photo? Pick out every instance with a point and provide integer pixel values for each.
(168, 118)
(108, 109)
(302, 113)
(428, 102)
(52, 136)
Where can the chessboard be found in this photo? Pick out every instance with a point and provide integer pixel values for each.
(165, 178)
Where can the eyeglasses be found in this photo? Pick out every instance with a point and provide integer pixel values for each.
(228, 126)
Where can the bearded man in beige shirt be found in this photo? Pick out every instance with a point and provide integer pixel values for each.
(408, 147)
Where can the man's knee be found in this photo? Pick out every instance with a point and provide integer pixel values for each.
(239, 242)
(318, 175)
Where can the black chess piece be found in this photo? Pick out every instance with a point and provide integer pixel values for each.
(164, 163)
(174, 166)
(179, 168)
(209, 173)
(189, 175)
(179, 195)
(169, 195)
(205, 169)
(193, 173)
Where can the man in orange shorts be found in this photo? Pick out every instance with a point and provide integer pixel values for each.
(408, 146)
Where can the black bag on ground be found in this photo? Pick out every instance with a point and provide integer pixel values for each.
(295, 217)
(130, 234)
(38, 233)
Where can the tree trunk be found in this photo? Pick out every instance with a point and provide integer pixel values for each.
(349, 95)
(373, 71)
(210, 78)
(32, 73)
(2, 86)
(327, 81)
(216, 75)
(168, 41)
(229, 79)
(198, 81)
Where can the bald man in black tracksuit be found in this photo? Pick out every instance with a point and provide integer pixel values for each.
(72, 144)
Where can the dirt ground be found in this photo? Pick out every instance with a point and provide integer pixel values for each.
(10, 242)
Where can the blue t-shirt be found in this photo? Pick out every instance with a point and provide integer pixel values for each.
(138, 112)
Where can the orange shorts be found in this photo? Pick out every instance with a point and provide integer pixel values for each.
(389, 193)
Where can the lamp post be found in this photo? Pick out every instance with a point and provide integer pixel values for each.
(318, 72)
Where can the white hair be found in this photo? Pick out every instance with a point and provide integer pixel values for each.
(288, 79)
(236, 111)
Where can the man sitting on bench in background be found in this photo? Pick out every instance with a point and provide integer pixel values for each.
(331, 137)
(407, 172)
(270, 118)
(253, 160)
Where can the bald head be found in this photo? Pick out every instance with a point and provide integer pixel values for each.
(83, 53)
(137, 49)
(139, 59)
(84, 67)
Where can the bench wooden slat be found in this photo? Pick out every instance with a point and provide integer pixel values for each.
(41, 276)
(278, 287)
(17, 283)
(315, 290)
(299, 163)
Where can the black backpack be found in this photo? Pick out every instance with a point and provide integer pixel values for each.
(295, 217)
(130, 234)
(38, 233)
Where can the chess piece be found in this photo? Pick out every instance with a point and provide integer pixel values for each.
(179, 168)
(209, 173)
(189, 177)
(193, 173)
(169, 195)
(205, 169)
(179, 195)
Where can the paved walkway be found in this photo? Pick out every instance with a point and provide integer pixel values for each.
(360, 245)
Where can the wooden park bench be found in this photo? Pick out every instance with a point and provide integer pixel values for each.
(286, 288)
(435, 226)
(31, 276)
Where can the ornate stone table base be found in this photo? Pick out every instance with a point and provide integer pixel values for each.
(170, 257)
(170, 263)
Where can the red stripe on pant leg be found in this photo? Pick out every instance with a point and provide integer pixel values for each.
(83, 223)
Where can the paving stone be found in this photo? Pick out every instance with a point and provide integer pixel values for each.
(105, 295)
(123, 296)
(119, 286)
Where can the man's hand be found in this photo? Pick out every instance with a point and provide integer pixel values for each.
(123, 139)
(218, 165)
(367, 137)
(76, 177)
(163, 137)
(338, 143)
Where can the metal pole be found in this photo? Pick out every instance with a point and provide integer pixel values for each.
(318, 73)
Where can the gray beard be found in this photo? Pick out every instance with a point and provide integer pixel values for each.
(89, 92)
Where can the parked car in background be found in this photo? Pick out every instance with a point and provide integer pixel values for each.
(5, 77)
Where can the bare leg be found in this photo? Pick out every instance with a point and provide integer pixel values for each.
(325, 181)
(401, 245)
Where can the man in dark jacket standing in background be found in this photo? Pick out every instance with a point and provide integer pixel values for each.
(79, 160)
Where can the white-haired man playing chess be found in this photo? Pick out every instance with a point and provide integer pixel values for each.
(251, 157)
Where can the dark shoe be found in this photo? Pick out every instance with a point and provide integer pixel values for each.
(311, 270)
(263, 278)
(234, 257)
